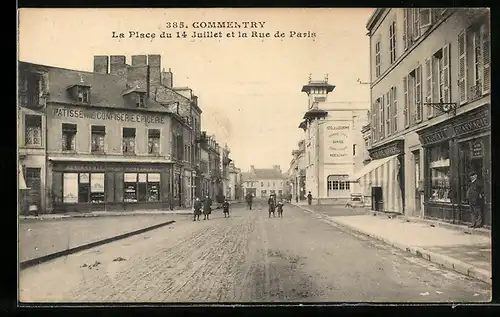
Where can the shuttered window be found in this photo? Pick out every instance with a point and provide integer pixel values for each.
(446, 74)
(373, 125)
(462, 67)
(418, 94)
(381, 117)
(406, 101)
(486, 42)
(425, 17)
(394, 110)
(388, 104)
(429, 87)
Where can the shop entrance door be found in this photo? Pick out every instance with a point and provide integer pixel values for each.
(418, 194)
(377, 199)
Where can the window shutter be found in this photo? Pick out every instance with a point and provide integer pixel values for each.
(418, 93)
(388, 104)
(405, 28)
(446, 73)
(416, 23)
(405, 102)
(485, 45)
(45, 85)
(425, 17)
(394, 109)
(428, 87)
(462, 67)
(374, 123)
(381, 118)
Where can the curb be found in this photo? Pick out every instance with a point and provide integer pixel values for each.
(66, 217)
(32, 262)
(443, 260)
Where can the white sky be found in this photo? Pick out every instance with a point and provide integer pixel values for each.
(249, 89)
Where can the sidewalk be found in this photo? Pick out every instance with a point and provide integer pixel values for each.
(107, 214)
(465, 253)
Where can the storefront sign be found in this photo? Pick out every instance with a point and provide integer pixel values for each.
(472, 125)
(387, 150)
(154, 177)
(108, 115)
(337, 143)
(434, 137)
(477, 149)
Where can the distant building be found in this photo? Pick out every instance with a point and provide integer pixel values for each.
(235, 190)
(334, 144)
(430, 116)
(262, 182)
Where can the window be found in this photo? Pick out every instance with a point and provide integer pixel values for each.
(34, 90)
(475, 43)
(33, 130)
(440, 173)
(69, 136)
(32, 176)
(130, 187)
(83, 94)
(377, 58)
(153, 141)
(336, 183)
(406, 102)
(392, 41)
(268, 184)
(261, 184)
(263, 193)
(394, 110)
(148, 187)
(128, 140)
(471, 160)
(98, 133)
(416, 23)
(354, 150)
(373, 123)
(274, 184)
(141, 100)
(429, 86)
(83, 188)
(418, 94)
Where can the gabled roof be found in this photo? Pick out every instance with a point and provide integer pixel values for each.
(267, 173)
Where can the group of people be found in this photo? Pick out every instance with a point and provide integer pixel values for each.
(275, 205)
(205, 206)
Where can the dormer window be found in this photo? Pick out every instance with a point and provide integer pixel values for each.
(83, 94)
(141, 100)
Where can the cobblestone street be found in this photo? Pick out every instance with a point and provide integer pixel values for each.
(247, 257)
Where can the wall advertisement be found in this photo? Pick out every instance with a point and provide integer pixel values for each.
(337, 145)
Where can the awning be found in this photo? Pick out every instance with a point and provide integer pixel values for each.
(383, 173)
(21, 182)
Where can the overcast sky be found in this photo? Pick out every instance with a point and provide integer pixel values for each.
(249, 89)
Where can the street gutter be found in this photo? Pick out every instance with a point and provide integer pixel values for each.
(32, 262)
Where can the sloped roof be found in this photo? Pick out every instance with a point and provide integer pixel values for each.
(267, 173)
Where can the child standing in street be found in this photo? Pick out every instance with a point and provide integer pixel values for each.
(225, 208)
(279, 208)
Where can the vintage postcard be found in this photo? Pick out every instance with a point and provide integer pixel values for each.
(254, 155)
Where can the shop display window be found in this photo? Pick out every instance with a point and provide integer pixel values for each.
(439, 166)
(142, 187)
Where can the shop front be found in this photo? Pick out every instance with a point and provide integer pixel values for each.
(381, 180)
(94, 186)
(454, 149)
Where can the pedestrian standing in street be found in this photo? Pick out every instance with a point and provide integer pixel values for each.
(279, 208)
(225, 208)
(197, 208)
(475, 197)
(207, 208)
(309, 198)
(249, 199)
(272, 206)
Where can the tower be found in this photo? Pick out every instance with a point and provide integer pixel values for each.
(317, 91)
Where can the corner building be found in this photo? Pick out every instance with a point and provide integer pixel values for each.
(111, 143)
(430, 116)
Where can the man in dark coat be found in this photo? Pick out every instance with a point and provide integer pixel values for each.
(475, 197)
(207, 208)
(272, 205)
(197, 209)
(309, 198)
(249, 199)
(225, 208)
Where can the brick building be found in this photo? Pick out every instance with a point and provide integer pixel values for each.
(120, 137)
(430, 92)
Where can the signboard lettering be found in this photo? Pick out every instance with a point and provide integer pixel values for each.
(104, 115)
(472, 125)
(336, 146)
(435, 137)
(393, 149)
(477, 149)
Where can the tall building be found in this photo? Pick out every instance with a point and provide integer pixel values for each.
(430, 115)
(210, 167)
(120, 137)
(262, 182)
(334, 143)
(234, 187)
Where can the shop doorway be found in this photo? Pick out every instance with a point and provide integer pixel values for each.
(418, 194)
(377, 199)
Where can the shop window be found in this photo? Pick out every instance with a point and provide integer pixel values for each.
(69, 137)
(337, 183)
(33, 130)
(98, 133)
(70, 188)
(263, 193)
(471, 160)
(130, 187)
(439, 165)
(153, 141)
(128, 141)
(83, 188)
(97, 188)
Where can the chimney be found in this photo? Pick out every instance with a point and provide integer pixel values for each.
(252, 168)
(118, 66)
(101, 64)
(139, 60)
(167, 78)
(277, 167)
(154, 63)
